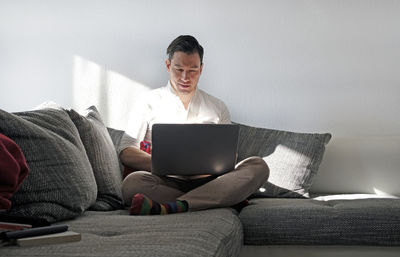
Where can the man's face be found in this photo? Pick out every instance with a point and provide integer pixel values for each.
(184, 71)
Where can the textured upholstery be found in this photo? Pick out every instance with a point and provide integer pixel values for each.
(60, 184)
(116, 137)
(293, 158)
(216, 233)
(103, 158)
(322, 222)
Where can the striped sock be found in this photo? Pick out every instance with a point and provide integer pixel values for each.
(142, 205)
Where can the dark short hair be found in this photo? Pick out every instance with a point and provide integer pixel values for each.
(187, 44)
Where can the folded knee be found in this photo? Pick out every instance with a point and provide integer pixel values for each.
(134, 183)
(260, 167)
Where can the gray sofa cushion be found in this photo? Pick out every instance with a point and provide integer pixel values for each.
(313, 222)
(121, 140)
(293, 158)
(214, 233)
(60, 184)
(116, 137)
(103, 158)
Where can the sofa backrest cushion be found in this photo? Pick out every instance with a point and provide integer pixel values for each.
(103, 158)
(121, 140)
(116, 137)
(293, 158)
(60, 184)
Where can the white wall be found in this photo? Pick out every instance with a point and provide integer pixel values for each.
(308, 66)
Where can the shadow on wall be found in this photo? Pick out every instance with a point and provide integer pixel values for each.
(112, 93)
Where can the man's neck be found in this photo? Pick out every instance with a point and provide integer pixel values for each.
(185, 98)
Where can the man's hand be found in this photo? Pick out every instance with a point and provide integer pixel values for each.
(136, 159)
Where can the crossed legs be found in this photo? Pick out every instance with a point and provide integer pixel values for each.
(223, 191)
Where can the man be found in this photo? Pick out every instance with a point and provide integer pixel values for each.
(182, 102)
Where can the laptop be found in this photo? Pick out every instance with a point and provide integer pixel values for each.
(194, 149)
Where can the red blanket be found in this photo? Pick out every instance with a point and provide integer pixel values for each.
(13, 170)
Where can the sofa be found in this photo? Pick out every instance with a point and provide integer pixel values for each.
(75, 178)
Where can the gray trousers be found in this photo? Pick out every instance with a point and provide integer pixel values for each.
(204, 193)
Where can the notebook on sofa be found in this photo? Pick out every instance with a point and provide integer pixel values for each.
(194, 149)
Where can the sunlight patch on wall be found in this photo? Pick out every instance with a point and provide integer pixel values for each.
(87, 83)
(112, 93)
(381, 193)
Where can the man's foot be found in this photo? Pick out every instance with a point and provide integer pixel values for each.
(142, 205)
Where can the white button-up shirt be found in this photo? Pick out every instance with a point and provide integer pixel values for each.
(163, 105)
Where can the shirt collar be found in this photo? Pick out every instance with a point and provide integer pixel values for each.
(170, 88)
